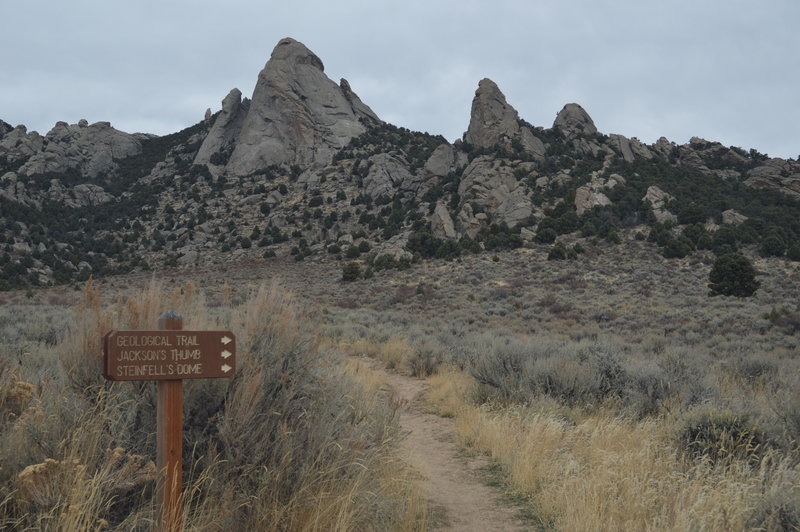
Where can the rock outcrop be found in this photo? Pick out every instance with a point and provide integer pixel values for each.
(495, 189)
(732, 217)
(494, 122)
(586, 199)
(591, 195)
(441, 222)
(12, 189)
(221, 138)
(83, 195)
(776, 173)
(658, 200)
(19, 145)
(441, 162)
(297, 115)
(629, 149)
(387, 174)
(491, 119)
(91, 149)
(572, 120)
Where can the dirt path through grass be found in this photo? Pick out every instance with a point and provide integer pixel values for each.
(451, 481)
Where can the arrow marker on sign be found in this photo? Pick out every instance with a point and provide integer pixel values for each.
(225, 354)
(225, 340)
(226, 368)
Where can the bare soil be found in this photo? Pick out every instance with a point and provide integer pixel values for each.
(450, 479)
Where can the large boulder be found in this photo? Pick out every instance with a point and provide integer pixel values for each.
(586, 199)
(573, 121)
(441, 162)
(297, 114)
(441, 222)
(387, 174)
(658, 200)
(731, 217)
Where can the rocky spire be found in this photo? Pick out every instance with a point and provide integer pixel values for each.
(494, 122)
(226, 127)
(297, 114)
(572, 120)
(492, 118)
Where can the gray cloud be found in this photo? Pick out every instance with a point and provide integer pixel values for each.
(724, 71)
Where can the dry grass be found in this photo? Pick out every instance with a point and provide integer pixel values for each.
(395, 352)
(593, 371)
(298, 440)
(448, 391)
(601, 472)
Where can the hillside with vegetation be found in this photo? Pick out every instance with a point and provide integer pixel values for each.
(381, 194)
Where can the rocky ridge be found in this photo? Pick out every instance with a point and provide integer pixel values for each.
(305, 168)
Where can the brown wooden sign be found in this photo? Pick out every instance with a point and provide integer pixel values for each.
(168, 355)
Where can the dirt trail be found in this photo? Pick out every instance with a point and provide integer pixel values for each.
(450, 480)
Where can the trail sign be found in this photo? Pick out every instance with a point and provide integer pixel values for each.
(168, 355)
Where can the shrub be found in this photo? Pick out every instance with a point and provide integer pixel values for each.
(772, 246)
(733, 275)
(722, 436)
(428, 246)
(546, 236)
(752, 370)
(557, 252)
(515, 371)
(793, 252)
(500, 237)
(351, 272)
(677, 248)
(423, 363)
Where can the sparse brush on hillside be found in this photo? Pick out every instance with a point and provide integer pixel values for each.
(292, 442)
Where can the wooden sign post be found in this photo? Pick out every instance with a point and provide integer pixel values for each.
(169, 439)
(169, 355)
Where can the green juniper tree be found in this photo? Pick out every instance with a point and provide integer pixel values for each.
(733, 275)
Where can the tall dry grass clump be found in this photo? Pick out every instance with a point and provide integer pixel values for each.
(606, 473)
(292, 442)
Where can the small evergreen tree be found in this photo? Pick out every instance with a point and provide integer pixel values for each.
(557, 252)
(351, 272)
(733, 275)
(773, 246)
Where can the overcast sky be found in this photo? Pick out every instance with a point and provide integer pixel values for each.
(722, 70)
